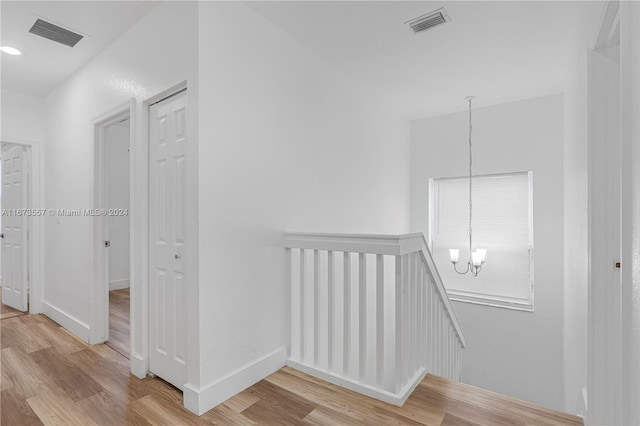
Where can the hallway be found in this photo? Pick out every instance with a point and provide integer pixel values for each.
(50, 377)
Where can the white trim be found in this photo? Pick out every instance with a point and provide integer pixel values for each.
(119, 284)
(36, 240)
(199, 401)
(379, 394)
(139, 366)
(100, 263)
(69, 322)
(394, 245)
(607, 24)
(581, 405)
(606, 213)
(630, 210)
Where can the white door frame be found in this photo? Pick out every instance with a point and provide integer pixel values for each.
(99, 330)
(605, 342)
(36, 225)
(630, 217)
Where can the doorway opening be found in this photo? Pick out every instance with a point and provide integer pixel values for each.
(117, 165)
(111, 311)
(15, 225)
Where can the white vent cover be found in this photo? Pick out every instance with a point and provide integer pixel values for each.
(55, 33)
(428, 21)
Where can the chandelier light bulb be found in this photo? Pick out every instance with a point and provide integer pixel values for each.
(476, 258)
(454, 254)
(482, 253)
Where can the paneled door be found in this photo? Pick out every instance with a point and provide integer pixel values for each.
(168, 241)
(14, 227)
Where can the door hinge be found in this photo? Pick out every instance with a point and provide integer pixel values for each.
(107, 243)
(617, 265)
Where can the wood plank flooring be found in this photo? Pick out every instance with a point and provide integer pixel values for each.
(8, 311)
(49, 377)
(119, 312)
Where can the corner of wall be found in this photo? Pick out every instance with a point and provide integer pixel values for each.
(199, 400)
(74, 325)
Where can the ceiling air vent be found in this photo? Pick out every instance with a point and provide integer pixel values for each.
(428, 21)
(55, 33)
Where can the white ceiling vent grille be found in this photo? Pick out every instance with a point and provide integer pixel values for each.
(428, 21)
(55, 33)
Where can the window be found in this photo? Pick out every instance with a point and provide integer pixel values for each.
(502, 224)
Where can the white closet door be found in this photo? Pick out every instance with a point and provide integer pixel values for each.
(168, 241)
(14, 227)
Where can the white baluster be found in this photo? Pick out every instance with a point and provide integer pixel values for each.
(399, 341)
(380, 319)
(406, 318)
(440, 339)
(303, 256)
(330, 308)
(293, 264)
(316, 306)
(346, 344)
(449, 349)
(423, 315)
(418, 312)
(362, 316)
(429, 326)
(413, 279)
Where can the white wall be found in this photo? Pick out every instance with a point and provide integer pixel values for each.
(157, 53)
(287, 144)
(117, 148)
(22, 117)
(512, 352)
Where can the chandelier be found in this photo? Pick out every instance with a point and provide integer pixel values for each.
(477, 256)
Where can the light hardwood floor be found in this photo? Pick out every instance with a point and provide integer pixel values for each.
(119, 338)
(8, 311)
(50, 377)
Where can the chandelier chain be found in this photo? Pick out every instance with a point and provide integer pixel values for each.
(470, 178)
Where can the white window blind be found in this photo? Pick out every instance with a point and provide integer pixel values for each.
(502, 224)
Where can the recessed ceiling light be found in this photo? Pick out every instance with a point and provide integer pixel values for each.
(11, 50)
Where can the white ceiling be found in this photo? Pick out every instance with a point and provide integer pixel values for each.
(45, 63)
(497, 51)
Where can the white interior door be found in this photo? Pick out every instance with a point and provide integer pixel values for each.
(14, 227)
(168, 240)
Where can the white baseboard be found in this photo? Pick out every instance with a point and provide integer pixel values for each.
(581, 404)
(119, 284)
(368, 390)
(199, 401)
(69, 322)
(139, 367)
